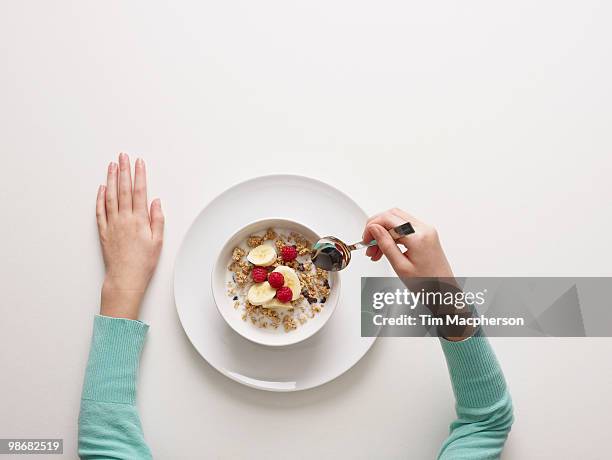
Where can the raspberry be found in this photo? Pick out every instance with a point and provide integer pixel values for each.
(288, 253)
(276, 280)
(284, 294)
(259, 274)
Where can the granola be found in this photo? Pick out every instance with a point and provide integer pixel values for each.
(313, 283)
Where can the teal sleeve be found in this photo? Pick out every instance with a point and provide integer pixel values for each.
(109, 425)
(483, 404)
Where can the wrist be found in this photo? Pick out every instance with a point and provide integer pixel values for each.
(120, 302)
(463, 329)
(443, 288)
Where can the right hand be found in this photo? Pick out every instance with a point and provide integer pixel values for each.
(424, 256)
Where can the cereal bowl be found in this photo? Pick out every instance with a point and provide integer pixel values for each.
(270, 309)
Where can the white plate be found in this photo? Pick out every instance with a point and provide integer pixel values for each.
(313, 362)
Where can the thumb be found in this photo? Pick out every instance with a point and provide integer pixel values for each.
(157, 220)
(389, 248)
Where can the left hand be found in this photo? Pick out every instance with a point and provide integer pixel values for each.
(131, 238)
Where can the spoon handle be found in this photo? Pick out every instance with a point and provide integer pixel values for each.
(396, 233)
(361, 245)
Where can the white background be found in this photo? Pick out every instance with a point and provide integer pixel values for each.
(490, 120)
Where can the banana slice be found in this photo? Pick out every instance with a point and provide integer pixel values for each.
(275, 303)
(291, 280)
(261, 293)
(262, 255)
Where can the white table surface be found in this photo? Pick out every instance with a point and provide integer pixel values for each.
(490, 120)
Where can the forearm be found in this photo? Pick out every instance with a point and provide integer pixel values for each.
(483, 404)
(109, 426)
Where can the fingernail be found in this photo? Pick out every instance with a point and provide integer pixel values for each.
(139, 162)
(159, 203)
(111, 166)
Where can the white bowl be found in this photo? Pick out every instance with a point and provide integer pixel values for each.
(233, 317)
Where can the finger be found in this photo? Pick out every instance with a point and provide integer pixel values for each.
(389, 248)
(139, 204)
(417, 225)
(391, 219)
(367, 235)
(125, 184)
(403, 215)
(394, 211)
(111, 191)
(101, 209)
(386, 219)
(374, 252)
(157, 220)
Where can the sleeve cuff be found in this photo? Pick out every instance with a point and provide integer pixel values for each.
(112, 368)
(475, 373)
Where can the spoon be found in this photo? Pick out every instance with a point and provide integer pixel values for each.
(333, 255)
